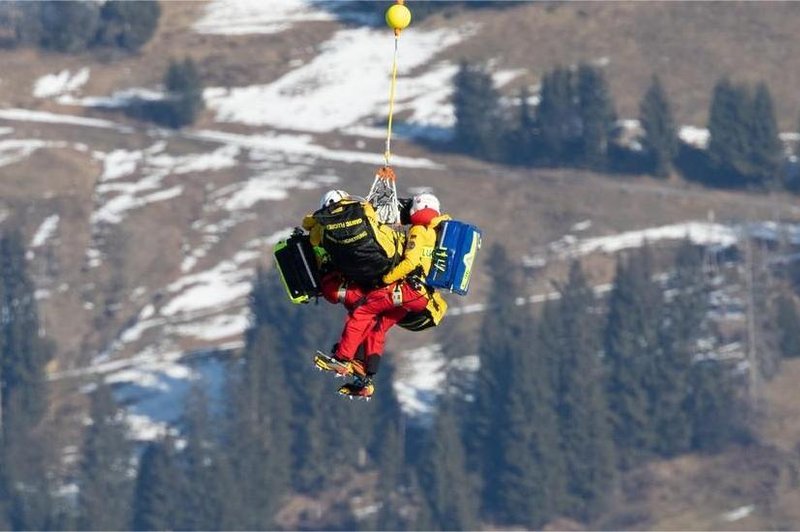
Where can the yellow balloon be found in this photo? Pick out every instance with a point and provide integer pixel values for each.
(398, 17)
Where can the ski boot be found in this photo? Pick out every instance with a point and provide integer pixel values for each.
(342, 368)
(360, 388)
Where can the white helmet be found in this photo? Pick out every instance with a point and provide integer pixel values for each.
(425, 201)
(331, 197)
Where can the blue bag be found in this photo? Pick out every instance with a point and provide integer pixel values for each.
(456, 246)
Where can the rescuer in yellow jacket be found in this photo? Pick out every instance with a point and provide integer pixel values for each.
(384, 307)
(421, 240)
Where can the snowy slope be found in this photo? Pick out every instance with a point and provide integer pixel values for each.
(264, 142)
(205, 305)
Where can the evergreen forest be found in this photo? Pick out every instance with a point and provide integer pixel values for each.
(572, 123)
(567, 400)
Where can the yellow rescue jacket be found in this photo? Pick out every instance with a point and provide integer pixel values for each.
(417, 260)
(314, 229)
(418, 254)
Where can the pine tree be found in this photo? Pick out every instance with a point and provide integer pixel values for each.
(318, 422)
(185, 101)
(69, 26)
(105, 490)
(661, 140)
(478, 130)
(631, 345)
(392, 479)
(422, 515)
(712, 407)
(322, 421)
(27, 489)
(767, 150)
(259, 430)
(209, 492)
(512, 426)
(788, 323)
(571, 332)
(685, 318)
(557, 116)
(451, 495)
(503, 332)
(23, 23)
(531, 481)
(729, 123)
(128, 24)
(388, 415)
(25, 353)
(158, 487)
(597, 115)
(524, 145)
(25, 452)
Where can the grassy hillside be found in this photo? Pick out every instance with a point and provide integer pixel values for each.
(522, 209)
(690, 44)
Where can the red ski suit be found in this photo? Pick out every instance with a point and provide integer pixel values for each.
(380, 309)
(377, 316)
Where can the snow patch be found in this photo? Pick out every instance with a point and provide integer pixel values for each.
(46, 230)
(581, 226)
(419, 383)
(114, 210)
(467, 309)
(428, 99)
(504, 77)
(219, 159)
(143, 428)
(272, 186)
(15, 150)
(699, 233)
(738, 513)
(135, 331)
(242, 17)
(116, 198)
(271, 146)
(25, 115)
(702, 233)
(212, 289)
(215, 328)
(155, 395)
(694, 136)
(418, 389)
(121, 98)
(61, 83)
(120, 163)
(318, 97)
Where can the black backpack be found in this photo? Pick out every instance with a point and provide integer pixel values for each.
(355, 244)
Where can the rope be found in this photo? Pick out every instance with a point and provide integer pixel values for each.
(388, 153)
(383, 194)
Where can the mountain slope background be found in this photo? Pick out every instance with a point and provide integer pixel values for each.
(144, 241)
(700, 42)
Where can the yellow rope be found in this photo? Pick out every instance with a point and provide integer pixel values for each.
(388, 153)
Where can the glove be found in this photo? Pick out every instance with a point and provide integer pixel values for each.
(405, 210)
(439, 259)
